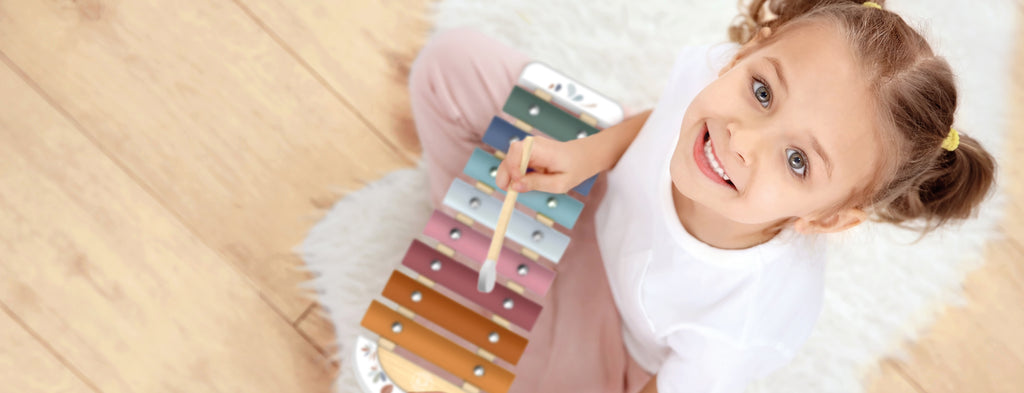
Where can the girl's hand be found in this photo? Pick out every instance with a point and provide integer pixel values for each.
(557, 166)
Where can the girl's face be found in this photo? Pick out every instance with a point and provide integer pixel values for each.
(787, 131)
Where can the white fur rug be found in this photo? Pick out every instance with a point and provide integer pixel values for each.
(881, 288)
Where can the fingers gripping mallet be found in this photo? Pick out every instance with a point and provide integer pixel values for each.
(488, 273)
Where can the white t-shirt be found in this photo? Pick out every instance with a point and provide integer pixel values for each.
(704, 319)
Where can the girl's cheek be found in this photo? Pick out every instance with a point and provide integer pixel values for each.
(769, 194)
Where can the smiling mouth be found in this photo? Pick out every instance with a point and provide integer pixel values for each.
(707, 161)
(710, 154)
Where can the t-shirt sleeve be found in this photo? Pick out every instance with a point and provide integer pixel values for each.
(702, 362)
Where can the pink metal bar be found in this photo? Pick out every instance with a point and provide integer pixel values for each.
(512, 265)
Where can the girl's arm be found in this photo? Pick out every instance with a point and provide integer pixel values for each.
(560, 166)
(608, 145)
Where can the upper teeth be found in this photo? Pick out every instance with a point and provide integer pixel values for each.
(714, 163)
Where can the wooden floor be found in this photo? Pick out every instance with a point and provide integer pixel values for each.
(158, 162)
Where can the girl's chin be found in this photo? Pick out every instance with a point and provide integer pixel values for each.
(712, 204)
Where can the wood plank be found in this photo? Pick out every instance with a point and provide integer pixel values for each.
(317, 327)
(997, 293)
(202, 107)
(362, 48)
(27, 366)
(891, 379)
(978, 348)
(116, 284)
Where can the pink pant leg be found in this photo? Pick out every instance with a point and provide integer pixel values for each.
(459, 81)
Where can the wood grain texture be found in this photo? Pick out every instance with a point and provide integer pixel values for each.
(318, 329)
(363, 49)
(115, 284)
(977, 348)
(200, 106)
(891, 379)
(26, 365)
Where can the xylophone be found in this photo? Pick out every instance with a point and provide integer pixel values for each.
(434, 331)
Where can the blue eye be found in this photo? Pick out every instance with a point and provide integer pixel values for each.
(762, 93)
(797, 162)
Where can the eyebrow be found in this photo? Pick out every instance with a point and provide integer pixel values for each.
(778, 71)
(822, 154)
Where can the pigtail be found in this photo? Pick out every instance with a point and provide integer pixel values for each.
(929, 185)
(950, 189)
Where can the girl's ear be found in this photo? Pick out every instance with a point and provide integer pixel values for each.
(762, 34)
(838, 222)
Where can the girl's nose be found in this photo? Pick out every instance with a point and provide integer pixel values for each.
(743, 142)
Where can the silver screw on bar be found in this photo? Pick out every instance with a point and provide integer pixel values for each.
(522, 270)
(552, 202)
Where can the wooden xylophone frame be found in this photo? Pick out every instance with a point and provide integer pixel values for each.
(459, 339)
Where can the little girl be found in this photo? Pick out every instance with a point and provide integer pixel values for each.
(696, 265)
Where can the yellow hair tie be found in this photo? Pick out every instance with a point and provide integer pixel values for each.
(872, 4)
(952, 140)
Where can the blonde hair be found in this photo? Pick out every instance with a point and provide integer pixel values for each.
(916, 97)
